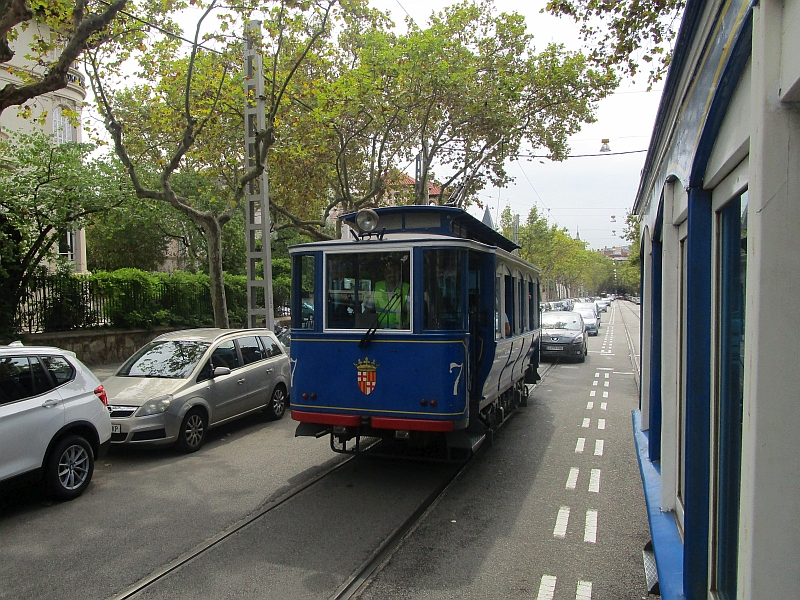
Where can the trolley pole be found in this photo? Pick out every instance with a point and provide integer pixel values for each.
(260, 309)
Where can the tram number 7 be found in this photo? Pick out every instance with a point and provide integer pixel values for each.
(458, 377)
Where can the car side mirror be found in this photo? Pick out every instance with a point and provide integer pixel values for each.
(221, 371)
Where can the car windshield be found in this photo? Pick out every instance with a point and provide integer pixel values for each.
(168, 359)
(563, 321)
(587, 314)
(585, 305)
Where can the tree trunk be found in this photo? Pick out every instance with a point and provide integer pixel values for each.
(216, 282)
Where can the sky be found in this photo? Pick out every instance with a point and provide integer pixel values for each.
(589, 196)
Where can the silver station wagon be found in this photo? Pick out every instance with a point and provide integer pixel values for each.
(183, 383)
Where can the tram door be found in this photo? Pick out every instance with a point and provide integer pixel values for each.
(479, 321)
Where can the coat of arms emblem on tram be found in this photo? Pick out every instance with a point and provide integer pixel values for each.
(367, 375)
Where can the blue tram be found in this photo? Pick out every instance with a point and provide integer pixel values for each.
(420, 326)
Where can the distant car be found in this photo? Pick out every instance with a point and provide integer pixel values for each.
(590, 319)
(53, 419)
(183, 383)
(563, 336)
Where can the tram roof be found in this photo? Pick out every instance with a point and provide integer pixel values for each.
(435, 220)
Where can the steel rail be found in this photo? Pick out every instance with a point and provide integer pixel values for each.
(203, 547)
(360, 578)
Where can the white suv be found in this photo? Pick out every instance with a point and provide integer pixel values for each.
(53, 419)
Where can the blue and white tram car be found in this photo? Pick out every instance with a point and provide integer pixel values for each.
(421, 327)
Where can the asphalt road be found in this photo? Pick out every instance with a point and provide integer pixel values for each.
(496, 533)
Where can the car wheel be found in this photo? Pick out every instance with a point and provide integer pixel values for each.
(193, 431)
(69, 468)
(277, 404)
(582, 357)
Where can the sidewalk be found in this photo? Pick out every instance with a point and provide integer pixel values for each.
(103, 372)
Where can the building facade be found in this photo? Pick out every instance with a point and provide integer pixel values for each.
(48, 113)
(720, 205)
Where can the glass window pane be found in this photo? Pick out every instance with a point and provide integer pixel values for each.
(443, 293)
(368, 290)
(225, 356)
(16, 382)
(168, 359)
(251, 349)
(59, 368)
(732, 268)
(303, 303)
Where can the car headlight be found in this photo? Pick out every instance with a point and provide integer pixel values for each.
(154, 406)
(578, 339)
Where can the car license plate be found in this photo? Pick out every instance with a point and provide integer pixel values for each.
(553, 348)
(116, 428)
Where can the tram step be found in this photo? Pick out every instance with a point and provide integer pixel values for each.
(650, 569)
(466, 440)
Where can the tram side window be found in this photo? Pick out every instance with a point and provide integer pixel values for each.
(499, 321)
(303, 307)
(522, 305)
(510, 304)
(533, 306)
(443, 290)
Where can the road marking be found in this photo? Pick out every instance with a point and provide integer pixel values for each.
(621, 373)
(589, 405)
(598, 447)
(594, 382)
(547, 588)
(605, 394)
(605, 369)
(594, 481)
(592, 393)
(584, 591)
(586, 422)
(601, 423)
(572, 480)
(604, 405)
(562, 520)
(607, 374)
(597, 374)
(590, 531)
(579, 446)
(605, 383)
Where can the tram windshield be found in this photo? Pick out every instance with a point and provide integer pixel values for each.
(366, 290)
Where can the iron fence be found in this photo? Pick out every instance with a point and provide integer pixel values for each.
(53, 303)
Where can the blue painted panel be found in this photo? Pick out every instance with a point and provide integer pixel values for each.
(654, 427)
(408, 370)
(698, 394)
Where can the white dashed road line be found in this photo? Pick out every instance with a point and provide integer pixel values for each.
(598, 447)
(594, 481)
(586, 422)
(562, 520)
(601, 423)
(547, 588)
(572, 479)
(590, 531)
(584, 591)
(579, 446)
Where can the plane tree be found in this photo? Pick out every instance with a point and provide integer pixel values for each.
(181, 113)
(482, 90)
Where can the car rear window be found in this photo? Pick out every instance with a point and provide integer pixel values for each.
(170, 359)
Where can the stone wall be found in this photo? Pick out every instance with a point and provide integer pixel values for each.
(98, 347)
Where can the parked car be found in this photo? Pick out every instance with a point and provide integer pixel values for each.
(563, 336)
(177, 387)
(53, 420)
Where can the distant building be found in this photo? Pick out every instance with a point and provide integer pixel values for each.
(616, 252)
(55, 106)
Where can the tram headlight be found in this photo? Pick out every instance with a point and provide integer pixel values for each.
(367, 220)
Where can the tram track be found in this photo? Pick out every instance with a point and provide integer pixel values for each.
(358, 580)
(210, 543)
